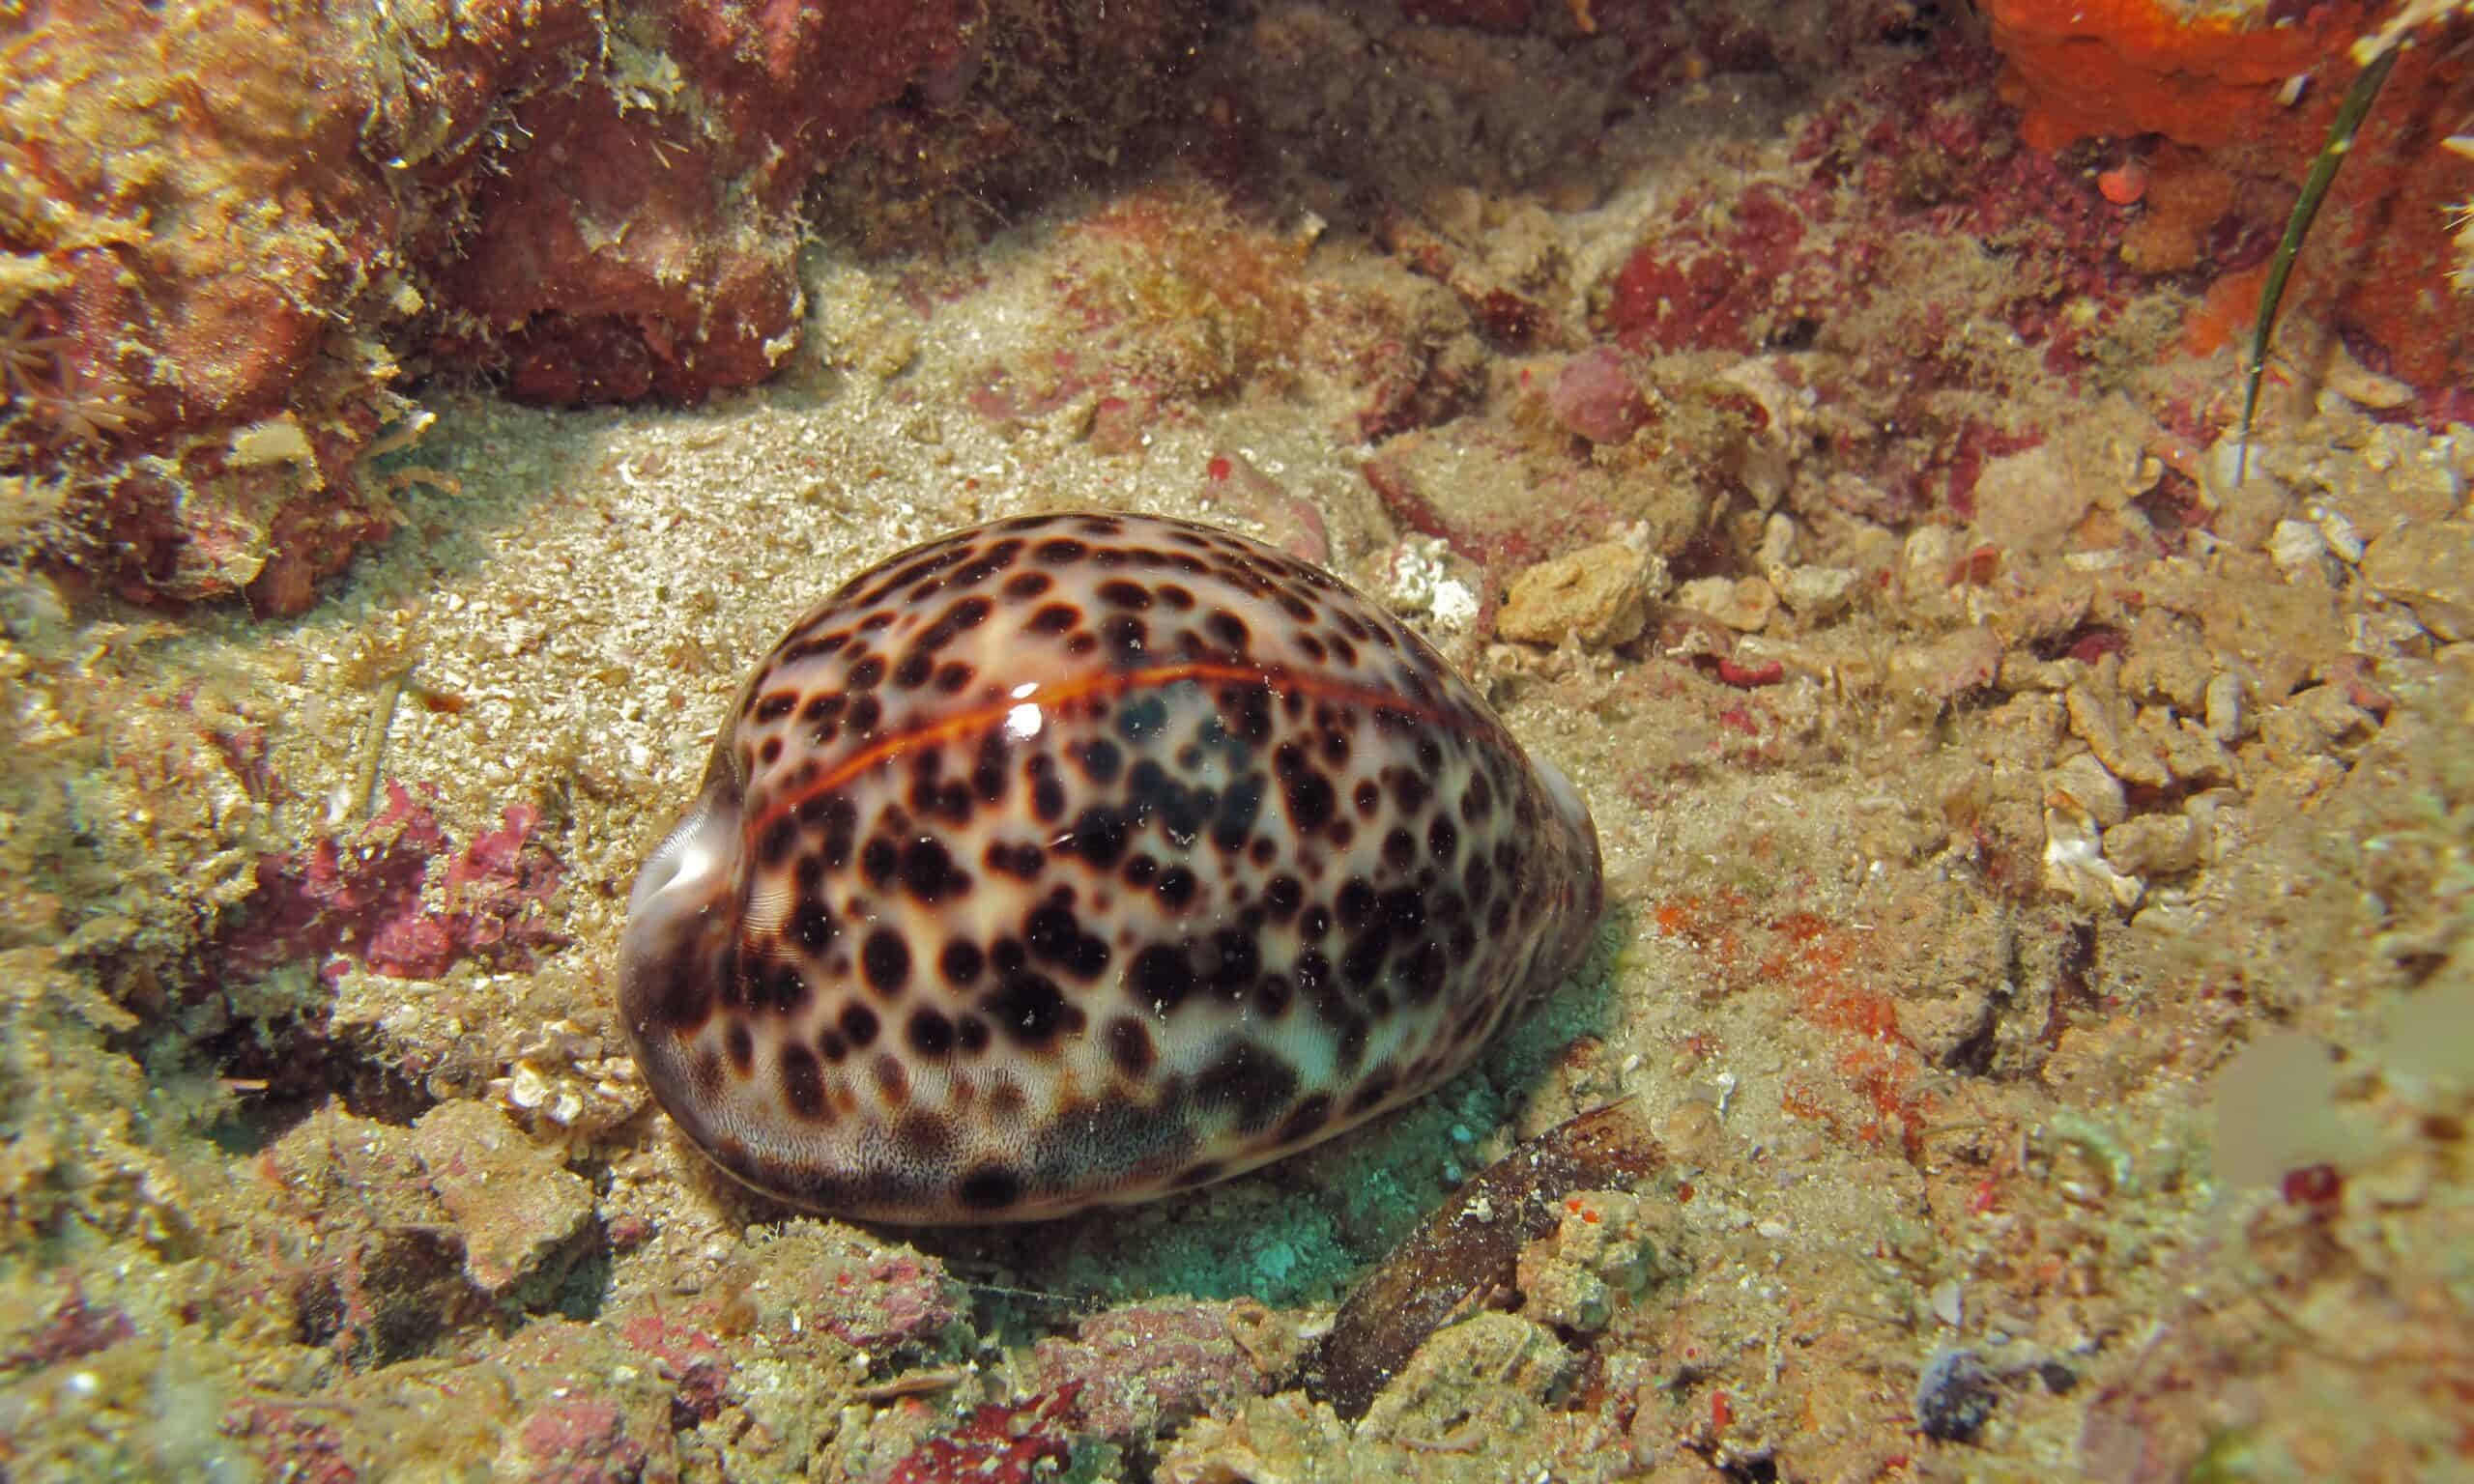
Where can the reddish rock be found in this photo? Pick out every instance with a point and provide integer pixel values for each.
(352, 1241)
(73, 1330)
(643, 243)
(291, 1441)
(204, 220)
(214, 215)
(584, 1407)
(311, 539)
(689, 1356)
(611, 264)
(1002, 1442)
(822, 1279)
(1692, 289)
(1142, 1371)
(333, 902)
(578, 1440)
(1596, 397)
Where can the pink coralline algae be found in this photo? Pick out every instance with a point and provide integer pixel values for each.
(689, 1357)
(335, 903)
(1689, 289)
(1001, 1443)
(1596, 397)
(291, 1444)
(75, 1329)
(1144, 1371)
(580, 1440)
(904, 1303)
(886, 1303)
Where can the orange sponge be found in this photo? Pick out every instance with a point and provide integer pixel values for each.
(2129, 66)
(2379, 264)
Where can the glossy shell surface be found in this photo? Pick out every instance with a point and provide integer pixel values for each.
(1071, 860)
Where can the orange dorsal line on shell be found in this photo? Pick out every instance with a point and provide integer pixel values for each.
(1275, 678)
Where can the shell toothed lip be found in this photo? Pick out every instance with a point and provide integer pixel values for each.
(687, 862)
(1072, 860)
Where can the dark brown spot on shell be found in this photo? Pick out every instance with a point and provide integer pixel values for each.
(1251, 1084)
(1129, 1047)
(887, 960)
(802, 1082)
(989, 1187)
(924, 1137)
(930, 1034)
(1304, 1121)
(893, 1078)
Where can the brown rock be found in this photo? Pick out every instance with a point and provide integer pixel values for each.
(386, 1281)
(1284, 1437)
(1949, 666)
(1745, 605)
(520, 1210)
(2315, 723)
(1814, 594)
(2029, 502)
(2051, 612)
(2429, 568)
(2173, 671)
(2281, 633)
(1501, 15)
(1599, 594)
(2155, 846)
(2085, 780)
(2099, 718)
(2191, 753)
(1476, 1366)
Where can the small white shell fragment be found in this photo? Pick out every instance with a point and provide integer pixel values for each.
(1777, 541)
(2299, 550)
(1813, 593)
(2087, 784)
(2342, 537)
(278, 440)
(2075, 863)
(2228, 718)
(1948, 1299)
